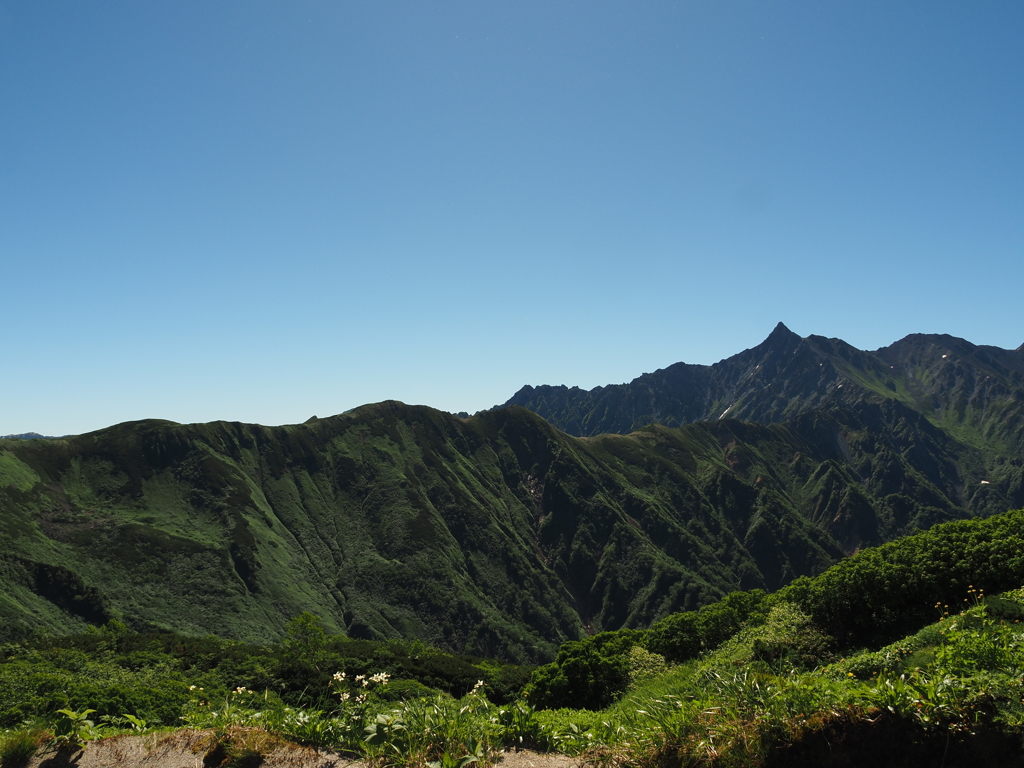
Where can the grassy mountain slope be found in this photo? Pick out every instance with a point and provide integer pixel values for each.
(497, 535)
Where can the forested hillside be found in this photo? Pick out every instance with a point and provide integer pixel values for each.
(497, 535)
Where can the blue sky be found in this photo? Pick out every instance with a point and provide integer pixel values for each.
(264, 211)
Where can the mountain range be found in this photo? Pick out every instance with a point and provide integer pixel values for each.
(511, 531)
(950, 411)
(951, 381)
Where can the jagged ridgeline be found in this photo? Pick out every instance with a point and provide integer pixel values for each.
(932, 423)
(973, 393)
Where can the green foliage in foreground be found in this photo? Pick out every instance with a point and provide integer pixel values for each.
(113, 671)
(765, 679)
(952, 690)
(865, 601)
(884, 593)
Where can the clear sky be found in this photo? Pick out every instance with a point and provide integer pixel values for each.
(263, 211)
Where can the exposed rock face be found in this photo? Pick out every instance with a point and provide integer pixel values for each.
(787, 375)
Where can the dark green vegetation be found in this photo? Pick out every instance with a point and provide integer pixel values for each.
(974, 391)
(893, 657)
(865, 601)
(154, 676)
(499, 535)
(937, 407)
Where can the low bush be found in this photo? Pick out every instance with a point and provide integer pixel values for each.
(17, 747)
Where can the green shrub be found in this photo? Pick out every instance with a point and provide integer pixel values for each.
(17, 747)
(75, 729)
(786, 639)
(403, 690)
(571, 731)
(975, 642)
(519, 727)
(884, 593)
(683, 636)
(588, 674)
(449, 732)
(642, 664)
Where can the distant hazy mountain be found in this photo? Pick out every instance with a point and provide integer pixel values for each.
(25, 436)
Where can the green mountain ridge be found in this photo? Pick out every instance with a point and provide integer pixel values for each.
(904, 654)
(976, 391)
(497, 535)
(501, 535)
(948, 412)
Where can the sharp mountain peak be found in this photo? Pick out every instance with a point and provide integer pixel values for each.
(780, 331)
(787, 375)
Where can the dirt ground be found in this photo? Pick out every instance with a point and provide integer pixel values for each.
(528, 759)
(193, 749)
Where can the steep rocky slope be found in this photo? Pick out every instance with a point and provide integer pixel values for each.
(978, 390)
(950, 410)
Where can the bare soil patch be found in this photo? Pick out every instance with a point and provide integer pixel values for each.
(198, 749)
(183, 749)
(528, 759)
